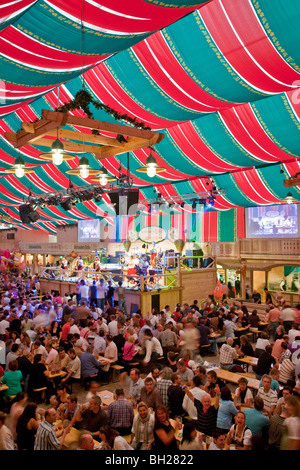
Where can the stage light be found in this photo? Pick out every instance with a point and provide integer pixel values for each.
(194, 205)
(28, 213)
(68, 203)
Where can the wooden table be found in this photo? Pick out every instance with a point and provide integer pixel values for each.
(233, 378)
(107, 397)
(248, 361)
(71, 441)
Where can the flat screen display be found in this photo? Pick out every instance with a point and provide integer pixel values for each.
(89, 230)
(278, 221)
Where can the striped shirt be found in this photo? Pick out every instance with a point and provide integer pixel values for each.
(269, 398)
(45, 437)
(206, 422)
(286, 371)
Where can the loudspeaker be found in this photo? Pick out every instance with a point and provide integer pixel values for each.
(28, 213)
(123, 202)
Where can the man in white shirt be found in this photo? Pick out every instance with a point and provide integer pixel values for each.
(52, 353)
(6, 437)
(3, 325)
(99, 343)
(113, 326)
(198, 393)
(152, 346)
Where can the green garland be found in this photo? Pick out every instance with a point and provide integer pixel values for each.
(83, 100)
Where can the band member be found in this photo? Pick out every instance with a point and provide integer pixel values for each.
(64, 263)
(97, 264)
(80, 264)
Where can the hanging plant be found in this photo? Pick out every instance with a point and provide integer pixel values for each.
(83, 100)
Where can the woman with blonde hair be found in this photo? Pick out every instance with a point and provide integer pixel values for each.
(142, 428)
(239, 434)
(292, 423)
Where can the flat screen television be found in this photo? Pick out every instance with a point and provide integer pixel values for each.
(276, 221)
(89, 230)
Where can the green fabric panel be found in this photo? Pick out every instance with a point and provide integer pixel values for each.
(133, 78)
(209, 69)
(227, 226)
(279, 122)
(233, 193)
(280, 20)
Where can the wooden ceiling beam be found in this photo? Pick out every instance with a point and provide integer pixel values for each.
(100, 125)
(85, 137)
(294, 181)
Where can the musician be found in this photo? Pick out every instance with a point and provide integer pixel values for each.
(80, 264)
(145, 265)
(64, 263)
(97, 264)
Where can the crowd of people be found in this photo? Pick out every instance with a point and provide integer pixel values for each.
(55, 348)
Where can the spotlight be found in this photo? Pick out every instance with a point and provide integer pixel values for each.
(28, 213)
(194, 205)
(68, 203)
(182, 204)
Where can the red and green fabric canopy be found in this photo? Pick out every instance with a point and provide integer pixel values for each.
(220, 79)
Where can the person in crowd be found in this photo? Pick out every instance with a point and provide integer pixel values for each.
(292, 423)
(150, 394)
(111, 439)
(276, 429)
(219, 440)
(73, 368)
(27, 426)
(243, 394)
(185, 372)
(176, 395)
(206, 412)
(213, 383)
(6, 437)
(164, 433)
(198, 393)
(12, 379)
(120, 413)
(164, 383)
(16, 409)
(46, 438)
(256, 421)
(239, 434)
(261, 344)
(265, 361)
(94, 417)
(142, 428)
(86, 442)
(226, 411)
(268, 395)
(190, 438)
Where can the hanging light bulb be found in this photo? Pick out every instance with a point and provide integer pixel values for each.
(84, 167)
(19, 167)
(57, 150)
(151, 167)
(103, 177)
(289, 198)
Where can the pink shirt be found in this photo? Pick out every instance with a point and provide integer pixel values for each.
(274, 315)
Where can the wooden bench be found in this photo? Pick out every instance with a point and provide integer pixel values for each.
(205, 348)
(39, 393)
(116, 372)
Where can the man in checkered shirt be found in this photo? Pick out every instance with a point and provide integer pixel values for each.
(120, 413)
(268, 395)
(227, 355)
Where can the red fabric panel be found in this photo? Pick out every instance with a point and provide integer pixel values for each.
(191, 144)
(210, 227)
(255, 72)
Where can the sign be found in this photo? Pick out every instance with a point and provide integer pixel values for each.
(152, 234)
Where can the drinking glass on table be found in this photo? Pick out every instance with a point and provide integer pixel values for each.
(178, 420)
